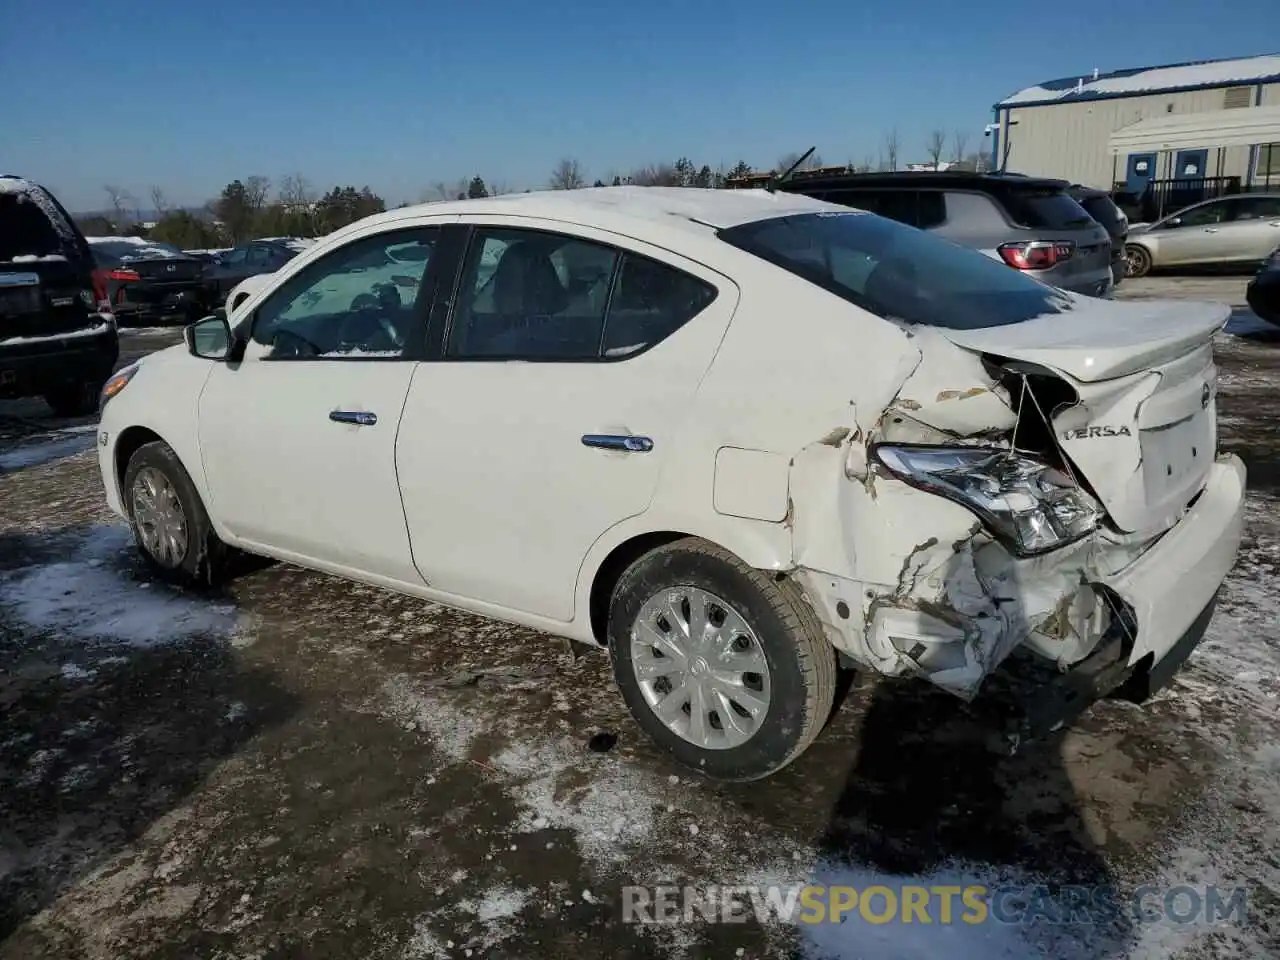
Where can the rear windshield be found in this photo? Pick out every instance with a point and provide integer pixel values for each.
(1051, 209)
(1103, 210)
(25, 230)
(897, 272)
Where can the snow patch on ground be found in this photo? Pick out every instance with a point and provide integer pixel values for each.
(451, 729)
(92, 597)
(35, 454)
(485, 921)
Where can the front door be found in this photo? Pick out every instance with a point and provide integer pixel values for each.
(1140, 170)
(298, 439)
(1194, 235)
(567, 369)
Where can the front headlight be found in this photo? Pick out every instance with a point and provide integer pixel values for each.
(118, 382)
(1030, 506)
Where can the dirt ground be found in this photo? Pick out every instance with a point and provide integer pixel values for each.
(302, 767)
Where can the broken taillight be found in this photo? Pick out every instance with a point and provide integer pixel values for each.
(1036, 254)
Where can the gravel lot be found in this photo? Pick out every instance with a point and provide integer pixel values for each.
(302, 767)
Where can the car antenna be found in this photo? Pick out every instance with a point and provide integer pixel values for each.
(787, 174)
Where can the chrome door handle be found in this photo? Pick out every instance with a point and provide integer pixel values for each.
(358, 417)
(614, 441)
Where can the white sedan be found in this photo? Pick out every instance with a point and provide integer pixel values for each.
(739, 438)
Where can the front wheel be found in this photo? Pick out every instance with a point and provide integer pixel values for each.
(721, 664)
(1137, 261)
(170, 524)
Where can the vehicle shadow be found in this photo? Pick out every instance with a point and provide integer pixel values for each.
(100, 738)
(929, 800)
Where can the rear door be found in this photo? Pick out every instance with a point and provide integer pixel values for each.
(561, 377)
(1253, 229)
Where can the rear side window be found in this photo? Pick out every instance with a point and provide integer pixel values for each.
(1050, 209)
(900, 274)
(651, 302)
(25, 230)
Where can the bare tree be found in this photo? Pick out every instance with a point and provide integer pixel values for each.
(159, 203)
(567, 175)
(934, 146)
(499, 187)
(296, 192)
(654, 175)
(255, 192)
(959, 144)
(122, 204)
(892, 144)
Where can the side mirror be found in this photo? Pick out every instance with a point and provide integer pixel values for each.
(1173, 222)
(210, 338)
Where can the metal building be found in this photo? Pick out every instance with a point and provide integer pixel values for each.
(1213, 120)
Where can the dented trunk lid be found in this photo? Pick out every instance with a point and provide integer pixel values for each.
(1144, 433)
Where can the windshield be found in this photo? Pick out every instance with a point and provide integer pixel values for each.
(898, 272)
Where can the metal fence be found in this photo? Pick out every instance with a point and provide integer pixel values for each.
(1162, 197)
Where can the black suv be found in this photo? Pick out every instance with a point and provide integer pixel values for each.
(54, 341)
(1104, 209)
(1030, 223)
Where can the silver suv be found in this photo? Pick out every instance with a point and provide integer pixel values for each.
(1031, 224)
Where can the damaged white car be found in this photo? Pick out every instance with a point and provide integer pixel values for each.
(738, 437)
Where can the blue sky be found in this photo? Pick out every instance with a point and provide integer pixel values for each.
(189, 94)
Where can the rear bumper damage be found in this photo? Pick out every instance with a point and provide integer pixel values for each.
(1100, 614)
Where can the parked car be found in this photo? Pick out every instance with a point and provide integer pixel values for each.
(1029, 223)
(1263, 292)
(260, 256)
(150, 282)
(1239, 230)
(1099, 205)
(54, 340)
(736, 437)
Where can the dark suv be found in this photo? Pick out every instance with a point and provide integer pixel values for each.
(54, 341)
(1100, 206)
(1030, 223)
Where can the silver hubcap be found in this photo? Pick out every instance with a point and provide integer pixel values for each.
(700, 668)
(158, 516)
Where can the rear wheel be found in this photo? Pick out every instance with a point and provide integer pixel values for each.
(170, 524)
(1137, 261)
(721, 664)
(75, 399)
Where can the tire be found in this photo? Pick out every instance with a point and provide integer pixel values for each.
(782, 631)
(75, 399)
(1137, 261)
(199, 558)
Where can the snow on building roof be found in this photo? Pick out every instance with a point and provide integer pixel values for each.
(1140, 80)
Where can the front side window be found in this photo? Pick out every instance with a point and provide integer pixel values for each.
(234, 258)
(898, 273)
(1202, 216)
(360, 301)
